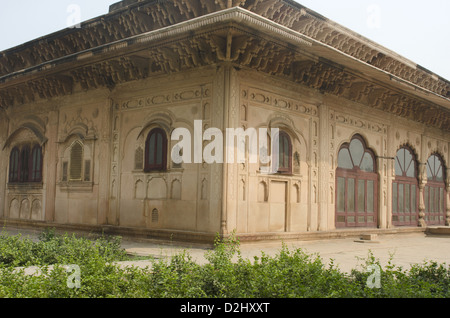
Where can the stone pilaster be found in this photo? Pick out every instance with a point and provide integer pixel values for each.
(4, 161)
(51, 154)
(226, 86)
(323, 167)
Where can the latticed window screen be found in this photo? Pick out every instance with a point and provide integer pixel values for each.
(155, 216)
(76, 162)
(139, 159)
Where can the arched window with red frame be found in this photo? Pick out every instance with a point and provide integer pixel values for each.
(14, 165)
(284, 158)
(405, 189)
(36, 164)
(156, 151)
(25, 164)
(356, 185)
(434, 193)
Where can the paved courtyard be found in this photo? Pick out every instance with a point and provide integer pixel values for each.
(404, 249)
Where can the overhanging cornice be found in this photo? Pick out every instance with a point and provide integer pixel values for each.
(132, 17)
(233, 35)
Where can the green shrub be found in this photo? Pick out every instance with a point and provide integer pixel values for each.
(289, 274)
(57, 249)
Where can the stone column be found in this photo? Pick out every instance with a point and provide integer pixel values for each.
(422, 184)
(226, 107)
(386, 180)
(447, 214)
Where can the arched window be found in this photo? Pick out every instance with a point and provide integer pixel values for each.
(283, 161)
(25, 165)
(14, 166)
(435, 194)
(405, 189)
(156, 151)
(76, 162)
(356, 184)
(36, 164)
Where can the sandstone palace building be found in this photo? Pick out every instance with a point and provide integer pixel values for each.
(87, 116)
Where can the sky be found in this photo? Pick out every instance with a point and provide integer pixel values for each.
(415, 29)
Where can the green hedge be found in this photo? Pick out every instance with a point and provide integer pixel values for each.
(289, 274)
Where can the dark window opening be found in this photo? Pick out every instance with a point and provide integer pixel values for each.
(76, 162)
(156, 151)
(283, 160)
(25, 164)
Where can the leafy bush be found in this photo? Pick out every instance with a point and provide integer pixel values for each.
(289, 274)
(57, 249)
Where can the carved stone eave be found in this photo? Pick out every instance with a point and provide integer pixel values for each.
(131, 17)
(235, 36)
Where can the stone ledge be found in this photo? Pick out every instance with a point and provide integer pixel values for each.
(143, 234)
(203, 239)
(325, 235)
(441, 231)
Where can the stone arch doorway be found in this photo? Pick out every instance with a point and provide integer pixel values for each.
(405, 189)
(356, 186)
(435, 193)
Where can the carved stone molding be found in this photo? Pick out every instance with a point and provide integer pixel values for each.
(169, 97)
(262, 97)
(139, 17)
(255, 44)
(360, 123)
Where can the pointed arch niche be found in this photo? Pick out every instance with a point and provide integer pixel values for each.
(356, 185)
(76, 168)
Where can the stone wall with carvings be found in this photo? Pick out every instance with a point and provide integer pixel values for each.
(90, 96)
(25, 126)
(274, 202)
(202, 198)
(319, 124)
(180, 198)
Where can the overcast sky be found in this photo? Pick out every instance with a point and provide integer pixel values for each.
(417, 30)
